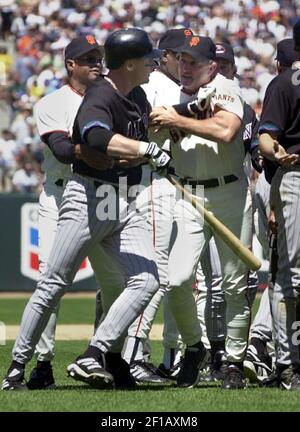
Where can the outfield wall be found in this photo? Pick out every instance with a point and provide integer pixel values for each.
(19, 246)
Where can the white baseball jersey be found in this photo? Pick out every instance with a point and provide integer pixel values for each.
(56, 112)
(199, 158)
(160, 89)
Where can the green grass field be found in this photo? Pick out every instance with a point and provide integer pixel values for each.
(72, 396)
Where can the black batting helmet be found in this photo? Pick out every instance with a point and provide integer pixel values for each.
(126, 44)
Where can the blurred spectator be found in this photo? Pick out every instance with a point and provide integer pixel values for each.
(7, 8)
(22, 125)
(25, 179)
(8, 154)
(6, 111)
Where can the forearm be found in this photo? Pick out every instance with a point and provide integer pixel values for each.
(61, 146)
(266, 146)
(214, 128)
(122, 147)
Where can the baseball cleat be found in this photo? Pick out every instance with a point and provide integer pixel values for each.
(41, 378)
(234, 378)
(169, 373)
(120, 371)
(14, 379)
(218, 366)
(195, 358)
(90, 371)
(257, 366)
(144, 372)
(288, 379)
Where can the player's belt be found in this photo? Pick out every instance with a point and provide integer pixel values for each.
(211, 183)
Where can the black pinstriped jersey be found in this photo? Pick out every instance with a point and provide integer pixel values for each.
(281, 115)
(105, 107)
(281, 108)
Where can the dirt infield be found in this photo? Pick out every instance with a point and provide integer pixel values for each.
(77, 332)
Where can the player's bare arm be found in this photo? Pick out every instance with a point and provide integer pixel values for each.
(223, 126)
(271, 149)
(93, 158)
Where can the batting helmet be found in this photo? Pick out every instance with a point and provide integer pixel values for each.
(126, 44)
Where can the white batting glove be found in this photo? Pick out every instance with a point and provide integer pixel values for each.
(203, 100)
(158, 159)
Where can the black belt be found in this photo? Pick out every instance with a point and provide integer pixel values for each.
(211, 182)
(59, 182)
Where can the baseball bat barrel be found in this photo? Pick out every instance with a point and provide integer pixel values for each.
(234, 243)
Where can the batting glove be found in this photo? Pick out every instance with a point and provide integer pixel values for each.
(203, 100)
(158, 159)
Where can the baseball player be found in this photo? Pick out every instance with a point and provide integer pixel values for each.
(210, 155)
(279, 142)
(55, 114)
(209, 294)
(156, 205)
(113, 120)
(259, 357)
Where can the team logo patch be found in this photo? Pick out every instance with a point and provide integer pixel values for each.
(30, 245)
(194, 41)
(91, 40)
(220, 49)
(248, 131)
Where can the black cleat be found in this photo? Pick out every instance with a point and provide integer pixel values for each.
(195, 358)
(169, 373)
(289, 379)
(146, 373)
(219, 366)
(90, 371)
(120, 371)
(14, 379)
(41, 378)
(234, 378)
(257, 366)
(272, 381)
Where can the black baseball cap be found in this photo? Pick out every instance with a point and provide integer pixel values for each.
(174, 38)
(201, 48)
(224, 51)
(286, 53)
(296, 34)
(82, 45)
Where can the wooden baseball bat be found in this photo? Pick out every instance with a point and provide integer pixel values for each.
(235, 244)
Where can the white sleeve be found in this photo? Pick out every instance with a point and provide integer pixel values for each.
(228, 97)
(49, 116)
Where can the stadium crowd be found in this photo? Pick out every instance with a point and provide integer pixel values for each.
(33, 35)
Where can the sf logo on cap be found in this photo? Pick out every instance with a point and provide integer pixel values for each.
(194, 41)
(220, 49)
(91, 40)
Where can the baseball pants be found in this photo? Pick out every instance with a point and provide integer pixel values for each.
(285, 198)
(124, 239)
(155, 204)
(230, 203)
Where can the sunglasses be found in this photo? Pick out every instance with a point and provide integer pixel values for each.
(89, 60)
